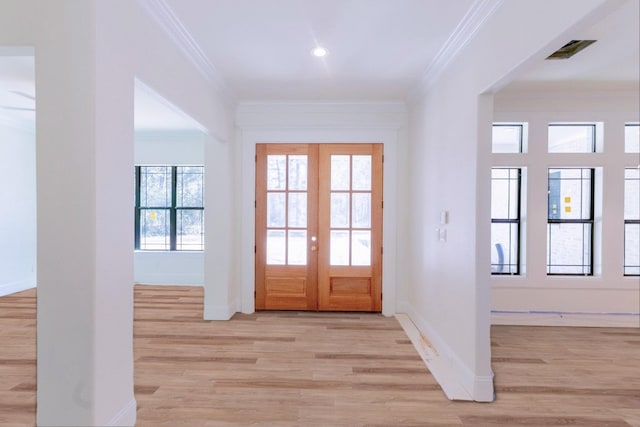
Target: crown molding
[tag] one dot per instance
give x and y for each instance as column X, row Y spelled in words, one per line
column 164, row 16
column 479, row 12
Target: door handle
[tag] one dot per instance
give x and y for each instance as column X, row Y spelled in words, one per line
column 314, row 247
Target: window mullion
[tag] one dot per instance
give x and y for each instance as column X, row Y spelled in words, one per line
column 173, row 210
column 592, row 213
column 137, row 210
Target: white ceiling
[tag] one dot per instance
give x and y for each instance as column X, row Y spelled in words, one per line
column 152, row 112
column 379, row 50
column 615, row 57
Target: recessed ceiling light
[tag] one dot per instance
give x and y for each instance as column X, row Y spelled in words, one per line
column 319, row 51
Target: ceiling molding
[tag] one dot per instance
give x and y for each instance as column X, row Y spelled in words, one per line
column 164, row 16
column 479, row 12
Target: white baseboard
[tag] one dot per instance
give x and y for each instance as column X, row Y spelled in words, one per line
column 126, row 416
column 549, row 318
column 483, row 388
column 13, row 287
column 163, row 283
column 218, row 312
column 456, row 379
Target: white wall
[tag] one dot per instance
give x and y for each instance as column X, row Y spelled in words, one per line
column 178, row 74
column 283, row 122
column 450, row 132
column 18, row 212
column 170, row 148
column 608, row 298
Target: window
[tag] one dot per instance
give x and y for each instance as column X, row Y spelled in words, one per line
column 632, row 222
column 572, row 138
column 632, row 138
column 505, row 220
column 507, row 138
column 169, row 213
column 570, row 221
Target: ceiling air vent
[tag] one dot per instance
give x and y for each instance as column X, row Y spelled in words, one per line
column 570, row 49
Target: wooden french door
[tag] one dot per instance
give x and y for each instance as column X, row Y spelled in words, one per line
column 319, row 227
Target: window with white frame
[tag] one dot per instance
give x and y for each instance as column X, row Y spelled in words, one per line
column 570, row 221
column 505, row 220
column 508, row 138
column 632, row 138
column 632, row 222
column 572, row 138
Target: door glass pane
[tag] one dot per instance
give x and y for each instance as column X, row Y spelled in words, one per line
column 275, row 209
column 340, row 169
column 339, row 210
column 298, row 173
column 298, row 210
column 154, row 230
column 339, row 247
column 361, row 173
column 361, row 247
column 275, row 247
column 276, row 172
column 297, row 247
column 361, row 210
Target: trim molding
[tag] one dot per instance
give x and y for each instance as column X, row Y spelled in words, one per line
column 19, row 286
column 164, row 16
column 218, row 312
column 556, row 318
column 479, row 12
column 456, row 379
column 126, row 416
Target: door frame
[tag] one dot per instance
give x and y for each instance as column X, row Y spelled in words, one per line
column 389, row 136
column 318, row 285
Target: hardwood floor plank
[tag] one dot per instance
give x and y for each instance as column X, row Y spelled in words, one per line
column 333, row 369
column 542, row 421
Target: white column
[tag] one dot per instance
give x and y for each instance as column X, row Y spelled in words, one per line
column 220, row 300
column 85, row 217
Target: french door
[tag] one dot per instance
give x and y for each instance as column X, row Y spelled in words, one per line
column 319, row 227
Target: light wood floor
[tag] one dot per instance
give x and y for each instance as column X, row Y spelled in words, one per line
column 343, row 369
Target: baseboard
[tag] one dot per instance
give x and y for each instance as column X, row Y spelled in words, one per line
column 551, row 318
column 483, row 388
column 218, row 312
column 13, row 287
column 456, row 379
column 166, row 283
column 126, row 416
